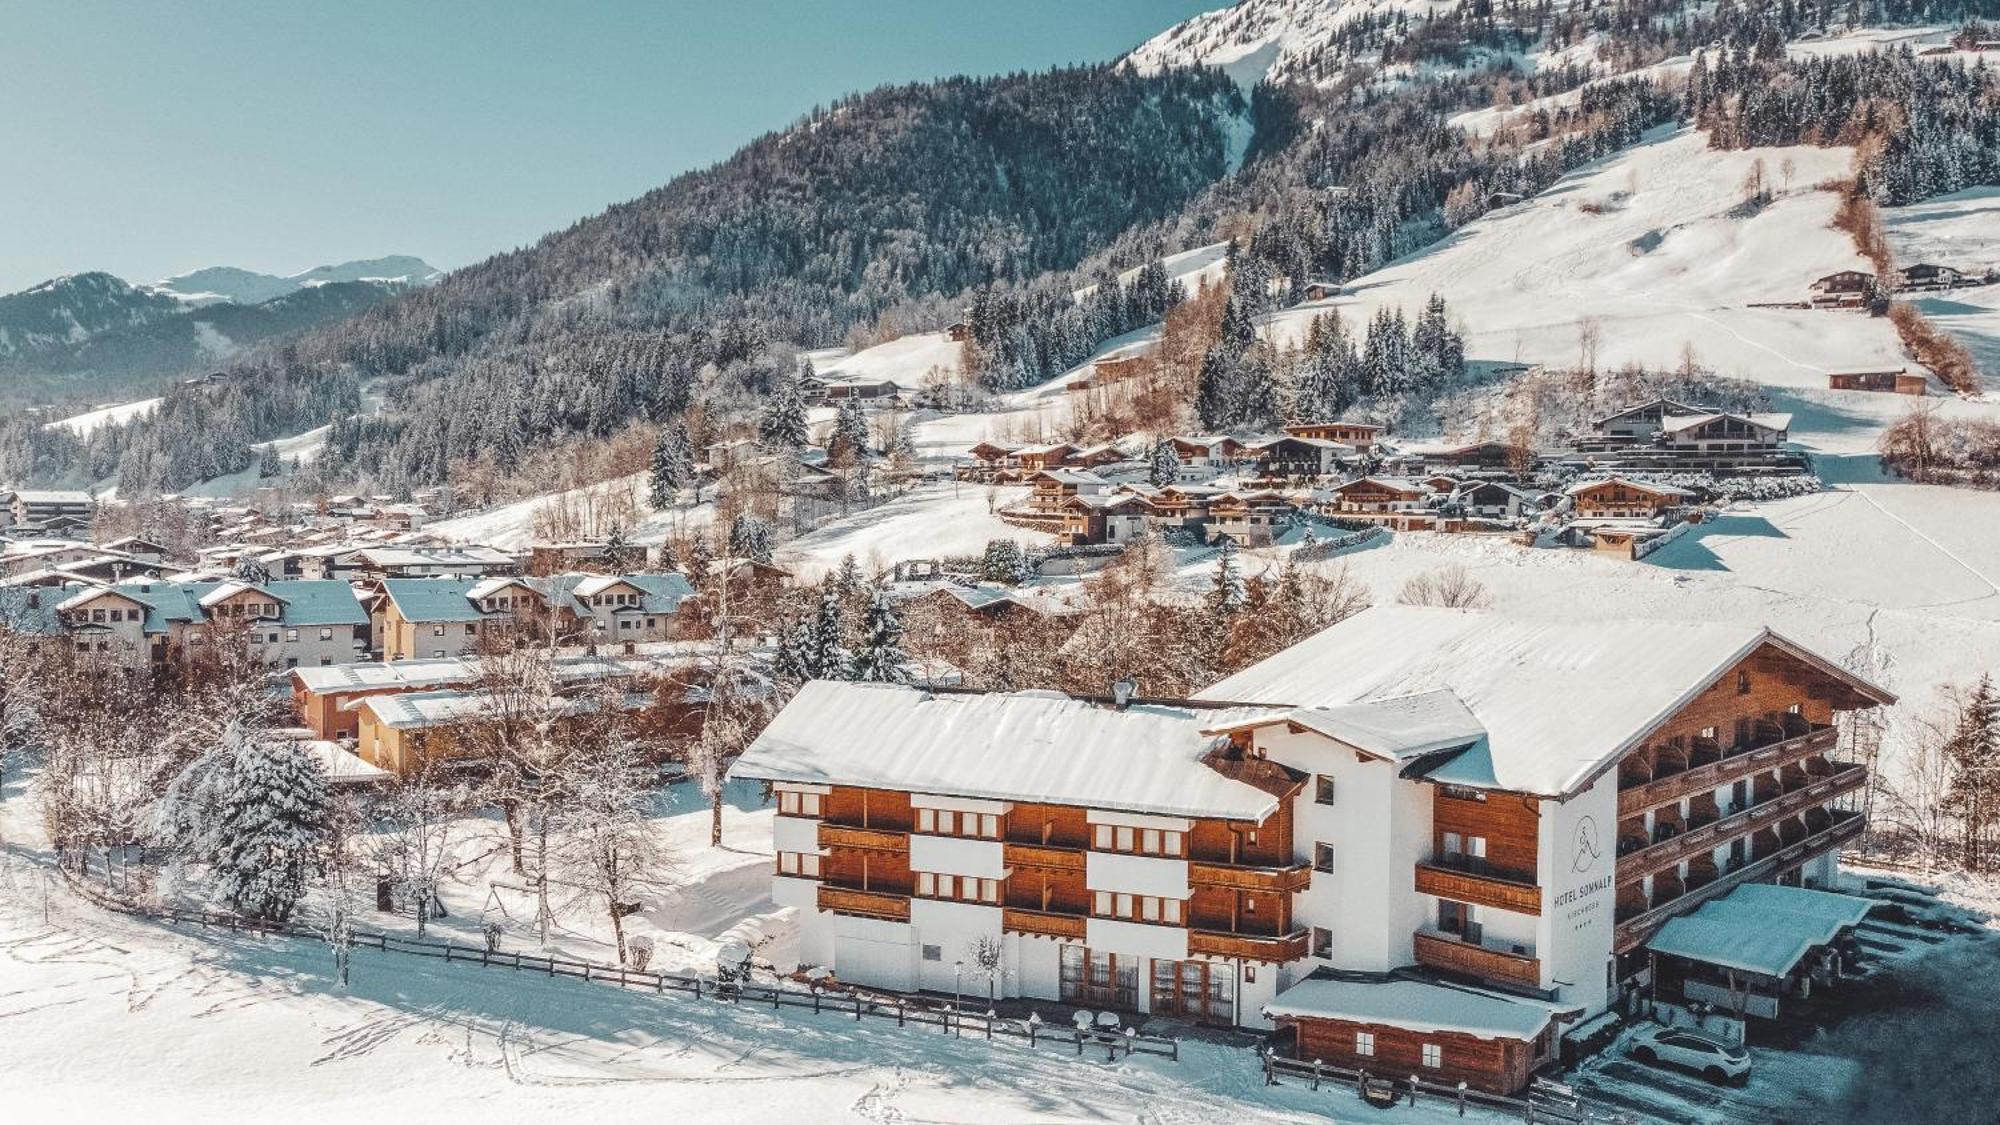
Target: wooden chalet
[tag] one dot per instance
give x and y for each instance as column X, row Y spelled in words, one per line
column 1892, row 380
column 1034, row 457
column 1298, row 458
column 1101, row 517
column 1248, row 519
column 1619, row 498
column 1845, row 289
column 1050, row 489
column 1640, row 422
column 1373, row 496
column 1360, row 435
column 1928, row 276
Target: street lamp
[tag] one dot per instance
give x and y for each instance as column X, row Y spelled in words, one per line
column 957, row 989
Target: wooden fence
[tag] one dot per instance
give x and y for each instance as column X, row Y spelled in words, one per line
column 906, row 1011
column 1385, row 1091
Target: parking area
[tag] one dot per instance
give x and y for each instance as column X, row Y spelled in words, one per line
column 1872, row 1044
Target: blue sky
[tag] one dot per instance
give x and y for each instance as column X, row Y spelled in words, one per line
column 152, row 138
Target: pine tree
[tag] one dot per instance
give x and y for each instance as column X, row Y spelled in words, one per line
column 256, row 815
column 881, row 658
column 1163, row 467
column 620, row 554
column 1225, row 593
column 750, row 537
column 847, row 579
column 1003, row 562
column 823, row 651
column 673, row 464
column 849, row 442
column 1973, row 756
column 1217, row 392
column 783, row 423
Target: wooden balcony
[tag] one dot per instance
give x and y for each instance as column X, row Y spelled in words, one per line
column 1249, row 947
column 1481, row 888
column 1448, row 954
column 1671, row 851
column 1041, row 855
column 1631, row 931
column 1042, row 923
column 852, row 836
column 1636, row 799
column 865, row 904
column 1273, row 880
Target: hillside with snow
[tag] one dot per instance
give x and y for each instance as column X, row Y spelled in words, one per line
column 1267, row 39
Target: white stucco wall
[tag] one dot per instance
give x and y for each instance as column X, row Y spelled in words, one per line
column 1379, row 827
column 1578, row 843
column 1136, row 874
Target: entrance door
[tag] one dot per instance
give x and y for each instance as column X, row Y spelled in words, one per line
column 1194, row 990
column 1102, row 980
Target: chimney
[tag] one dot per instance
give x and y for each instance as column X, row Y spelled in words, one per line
column 1122, row 691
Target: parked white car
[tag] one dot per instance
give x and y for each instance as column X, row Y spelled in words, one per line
column 1704, row 1054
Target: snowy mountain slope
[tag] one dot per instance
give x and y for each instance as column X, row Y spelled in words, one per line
column 1655, row 248
column 64, row 312
column 115, row 414
column 1260, row 39
column 1960, row 230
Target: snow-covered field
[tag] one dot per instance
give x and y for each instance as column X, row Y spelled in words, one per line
column 1654, row 247
column 115, row 414
column 1961, row 230
column 109, row 1018
column 947, row 518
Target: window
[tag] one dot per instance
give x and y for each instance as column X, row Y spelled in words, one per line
column 961, row 888
column 1323, row 790
column 1150, row 841
column 291, row 634
column 326, row 634
column 798, row 804
column 437, row 654
column 933, row 952
column 1433, row 1055
column 1364, row 1042
column 1742, row 681
column 798, row 863
column 1322, row 942
column 1137, row 908
column 948, row 822
column 437, row 630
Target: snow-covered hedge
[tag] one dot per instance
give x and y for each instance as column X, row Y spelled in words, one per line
column 1327, row 548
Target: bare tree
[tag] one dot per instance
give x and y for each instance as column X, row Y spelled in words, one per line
column 1452, row 587
column 422, row 817
column 608, row 846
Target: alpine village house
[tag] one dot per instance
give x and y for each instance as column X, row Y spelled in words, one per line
column 1422, row 841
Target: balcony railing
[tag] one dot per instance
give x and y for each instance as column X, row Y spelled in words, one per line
column 1637, row 928
column 1275, row 880
column 854, row 836
column 1041, row 855
column 1671, row 851
column 1042, row 923
column 1482, row 888
column 1249, row 947
column 1636, row 799
column 866, row 904
column 1450, row 954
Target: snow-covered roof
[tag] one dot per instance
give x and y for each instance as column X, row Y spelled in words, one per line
column 1070, row 476
column 1642, row 485
column 1021, row 746
column 1413, row 1006
column 1400, row 728
column 1663, row 405
column 1674, row 423
column 1400, row 484
column 1560, row 699
column 1767, row 932
column 228, row 590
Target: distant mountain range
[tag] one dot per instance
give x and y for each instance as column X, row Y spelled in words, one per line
column 217, row 284
column 93, row 334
